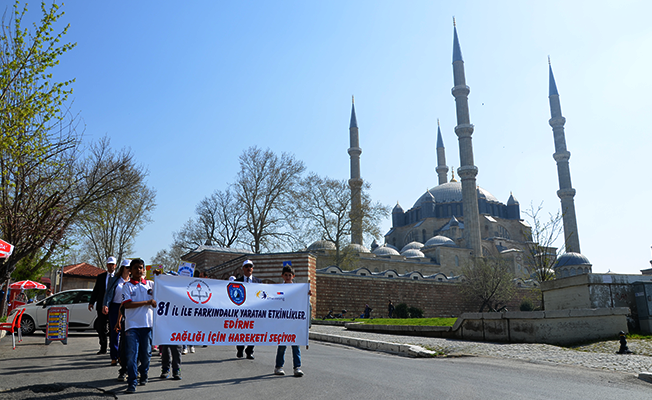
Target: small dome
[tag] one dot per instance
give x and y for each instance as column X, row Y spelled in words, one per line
column 357, row 248
column 385, row 251
column 571, row 259
column 397, row 208
column 440, row 241
column 512, row 200
column 413, row 253
column 391, row 246
column 411, row 245
column 322, row 245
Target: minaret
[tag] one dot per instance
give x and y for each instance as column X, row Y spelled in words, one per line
column 442, row 168
column 355, row 183
column 467, row 171
column 561, row 156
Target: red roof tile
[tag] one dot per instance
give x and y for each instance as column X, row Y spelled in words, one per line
column 82, row 269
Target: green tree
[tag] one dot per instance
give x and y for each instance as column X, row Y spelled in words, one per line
column 488, row 283
column 46, row 176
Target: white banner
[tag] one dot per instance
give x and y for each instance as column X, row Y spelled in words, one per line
column 199, row 311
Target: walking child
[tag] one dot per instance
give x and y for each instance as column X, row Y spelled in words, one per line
column 288, row 276
column 138, row 301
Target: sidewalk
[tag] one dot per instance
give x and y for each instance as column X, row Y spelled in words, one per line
column 600, row 356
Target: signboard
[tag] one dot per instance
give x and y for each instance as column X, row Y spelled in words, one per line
column 200, row 311
column 186, row 269
column 150, row 271
column 5, row 249
column 57, row 327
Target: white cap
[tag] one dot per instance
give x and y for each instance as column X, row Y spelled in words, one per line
column 248, row 262
column 111, row 260
column 231, row 278
column 125, row 263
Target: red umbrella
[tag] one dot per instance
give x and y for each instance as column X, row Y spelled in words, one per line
column 27, row 285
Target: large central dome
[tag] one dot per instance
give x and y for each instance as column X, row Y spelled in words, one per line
column 451, row 192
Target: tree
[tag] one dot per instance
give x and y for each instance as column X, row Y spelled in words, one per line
column 220, row 221
column 265, row 187
column 168, row 258
column 541, row 254
column 488, row 283
column 325, row 205
column 109, row 227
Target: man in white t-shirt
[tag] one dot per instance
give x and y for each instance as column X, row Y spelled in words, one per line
column 138, row 301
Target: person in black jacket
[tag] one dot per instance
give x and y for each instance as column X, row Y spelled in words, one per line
column 247, row 271
column 97, row 300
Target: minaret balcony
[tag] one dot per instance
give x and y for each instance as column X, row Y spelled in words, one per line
column 562, row 156
column 461, row 90
column 557, row 121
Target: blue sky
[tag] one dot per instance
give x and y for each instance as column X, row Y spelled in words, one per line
column 189, row 85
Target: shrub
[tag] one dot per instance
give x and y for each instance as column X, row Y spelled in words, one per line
column 401, row 311
column 415, row 312
column 526, row 305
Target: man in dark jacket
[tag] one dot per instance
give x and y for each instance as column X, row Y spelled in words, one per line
column 97, row 299
column 247, row 271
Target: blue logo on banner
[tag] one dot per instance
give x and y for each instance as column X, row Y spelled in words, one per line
column 287, row 263
column 237, row 293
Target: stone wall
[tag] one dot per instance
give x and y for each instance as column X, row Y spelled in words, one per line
column 436, row 299
column 591, row 291
column 559, row 327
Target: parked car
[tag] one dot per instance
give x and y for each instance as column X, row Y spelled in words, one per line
column 76, row 301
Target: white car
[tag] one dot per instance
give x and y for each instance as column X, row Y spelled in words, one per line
column 76, row 301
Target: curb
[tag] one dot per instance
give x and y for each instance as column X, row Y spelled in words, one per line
column 406, row 350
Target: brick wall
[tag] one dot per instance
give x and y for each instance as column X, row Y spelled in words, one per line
column 436, row 299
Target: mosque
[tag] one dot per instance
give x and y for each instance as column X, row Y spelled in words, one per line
column 457, row 220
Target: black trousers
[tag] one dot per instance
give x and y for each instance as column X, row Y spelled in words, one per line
column 102, row 327
column 249, row 350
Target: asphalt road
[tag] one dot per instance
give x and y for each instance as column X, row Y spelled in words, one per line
column 332, row 372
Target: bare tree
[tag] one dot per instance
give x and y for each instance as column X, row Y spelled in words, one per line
column 265, row 187
column 488, row 283
column 109, row 227
column 325, row 205
column 544, row 234
column 219, row 220
column 168, row 258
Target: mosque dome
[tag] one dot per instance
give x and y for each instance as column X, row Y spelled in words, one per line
column 357, row 248
column 451, row 192
column 572, row 259
column 391, row 246
column 322, row 245
column 411, row 245
column 440, row 241
column 385, row 251
column 413, row 253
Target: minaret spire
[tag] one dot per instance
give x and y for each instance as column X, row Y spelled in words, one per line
column 355, row 183
column 467, row 171
column 566, row 192
column 442, row 168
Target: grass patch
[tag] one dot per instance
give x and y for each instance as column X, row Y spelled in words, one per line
column 410, row 321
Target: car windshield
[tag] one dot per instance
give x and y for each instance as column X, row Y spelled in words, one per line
column 61, row 298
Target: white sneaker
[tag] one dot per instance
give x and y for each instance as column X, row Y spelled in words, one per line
column 192, row 349
column 184, row 351
column 298, row 372
column 279, row 371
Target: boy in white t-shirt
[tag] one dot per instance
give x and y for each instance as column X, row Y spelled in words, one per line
column 138, row 301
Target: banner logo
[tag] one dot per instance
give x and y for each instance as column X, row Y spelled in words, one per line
column 199, row 292
column 237, row 293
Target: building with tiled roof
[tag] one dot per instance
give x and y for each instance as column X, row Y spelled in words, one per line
column 80, row 276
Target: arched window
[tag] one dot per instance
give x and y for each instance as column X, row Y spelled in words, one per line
column 457, row 261
column 573, row 272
